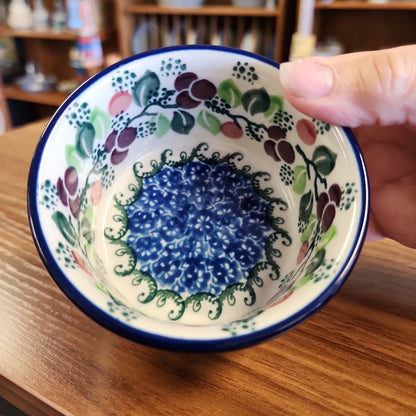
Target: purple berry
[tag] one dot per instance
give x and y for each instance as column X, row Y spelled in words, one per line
column 117, row 156
column 110, row 141
column 270, row 149
column 335, row 194
column 184, row 80
column 71, row 180
column 276, row 132
column 185, row 101
column 203, row 89
column 63, row 196
column 323, row 200
column 126, row 137
column 328, row 216
column 285, row 151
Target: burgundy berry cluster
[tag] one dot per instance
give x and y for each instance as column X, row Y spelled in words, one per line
column 277, row 147
column 117, row 144
column 192, row 91
column 326, row 206
column 67, row 190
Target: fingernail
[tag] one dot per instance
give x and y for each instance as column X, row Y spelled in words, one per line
column 307, row 78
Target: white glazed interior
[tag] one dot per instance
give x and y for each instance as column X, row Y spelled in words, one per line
column 276, row 301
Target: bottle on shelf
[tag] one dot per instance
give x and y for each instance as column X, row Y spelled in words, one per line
column 40, row 16
column 74, row 18
column 58, row 16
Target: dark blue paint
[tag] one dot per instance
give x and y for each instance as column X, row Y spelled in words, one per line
column 190, row 228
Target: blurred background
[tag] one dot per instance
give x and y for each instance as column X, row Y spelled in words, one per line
column 49, row 47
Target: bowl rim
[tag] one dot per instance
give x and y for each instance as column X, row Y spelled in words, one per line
column 144, row 337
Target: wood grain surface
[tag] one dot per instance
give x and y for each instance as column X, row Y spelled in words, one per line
column 356, row 356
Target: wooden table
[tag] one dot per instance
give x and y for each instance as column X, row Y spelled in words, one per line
column 357, row 356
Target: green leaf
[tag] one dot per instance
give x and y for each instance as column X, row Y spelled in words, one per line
column 324, row 159
column 87, row 230
column 303, row 281
column 72, row 158
column 276, row 106
column 65, row 227
column 309, row 229
column 209, row 122
column 305, row 206
column 230, row 93
column 162, row 125
column 256, row 101
column 101, row 122
column 300, row 177
column 330, row 233
column 145, row 87
column 84, row 140
column 317, row 260
column 182, row 122
column 89, row 214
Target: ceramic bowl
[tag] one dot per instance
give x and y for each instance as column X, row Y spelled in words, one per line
column 180, row 201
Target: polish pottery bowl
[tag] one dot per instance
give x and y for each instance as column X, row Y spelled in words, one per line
column 180, row 201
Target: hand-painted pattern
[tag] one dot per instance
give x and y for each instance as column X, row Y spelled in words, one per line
column 198, row 231
column 175, row 100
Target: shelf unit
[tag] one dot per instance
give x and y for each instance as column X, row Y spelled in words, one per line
column 364, row 5
column 258, row 29
column 362, row 25
column 49, row 98
column 51, row 50
column 38, row 34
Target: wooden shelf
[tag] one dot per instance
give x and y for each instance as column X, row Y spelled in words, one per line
column 362, row 25
column 364, row 5
column 258, row 29
column 53, row 98
column 210, row 10
column 41, row 34
column 49, row 34
column 52, row 50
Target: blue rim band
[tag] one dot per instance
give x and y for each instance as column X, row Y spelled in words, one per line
column 169, row 343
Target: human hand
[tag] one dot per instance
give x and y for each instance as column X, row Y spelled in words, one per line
column 375, row 93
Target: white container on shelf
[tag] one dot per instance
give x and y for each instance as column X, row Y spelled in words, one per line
column 20, row 15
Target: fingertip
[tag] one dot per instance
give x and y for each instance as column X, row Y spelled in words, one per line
column 308, row 78
column 286, row 78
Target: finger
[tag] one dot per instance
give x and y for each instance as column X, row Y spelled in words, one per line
column 357, row 89
column 373, row 230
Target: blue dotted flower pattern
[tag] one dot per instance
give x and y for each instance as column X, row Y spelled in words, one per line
column 190, row 228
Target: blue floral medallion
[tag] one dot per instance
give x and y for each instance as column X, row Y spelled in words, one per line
column 203, row 229
column 197, row 228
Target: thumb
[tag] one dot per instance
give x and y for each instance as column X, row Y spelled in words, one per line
column 356, row 89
